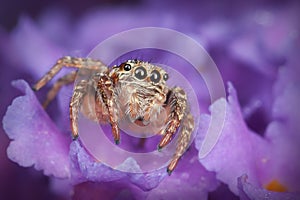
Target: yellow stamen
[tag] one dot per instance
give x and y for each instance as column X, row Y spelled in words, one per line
column 276, row 186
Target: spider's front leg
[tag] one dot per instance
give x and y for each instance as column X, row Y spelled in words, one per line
column 176, row 104
column 183, row 141
column 105, row 95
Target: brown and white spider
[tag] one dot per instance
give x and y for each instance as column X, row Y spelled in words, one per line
column 135, row 89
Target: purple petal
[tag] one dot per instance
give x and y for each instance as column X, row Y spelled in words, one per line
column 85, row 168
column 35, row 139
column 234, row 154
column 248, row 192
column 283, row 132
column 149, row 180
column 190, row 180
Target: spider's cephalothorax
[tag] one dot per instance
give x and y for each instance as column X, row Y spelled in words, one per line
column 140, row 90
column 135, row 91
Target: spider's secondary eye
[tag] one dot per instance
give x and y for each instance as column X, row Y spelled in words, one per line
column 155, row 76
column 166, row 77
column 140, row 73
column 127, row 67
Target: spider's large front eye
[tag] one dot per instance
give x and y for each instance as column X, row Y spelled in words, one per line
column 140, row 73
column 155, row 76
column 127, row 67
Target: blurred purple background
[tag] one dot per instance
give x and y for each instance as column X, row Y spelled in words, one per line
column 203, row 19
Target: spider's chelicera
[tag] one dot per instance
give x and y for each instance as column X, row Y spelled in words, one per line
column 135, row 90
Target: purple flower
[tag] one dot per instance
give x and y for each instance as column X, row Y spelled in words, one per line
column 252, row 162
column 248, row 191
column 38, row 143
column 45, row 147
column 256, row 53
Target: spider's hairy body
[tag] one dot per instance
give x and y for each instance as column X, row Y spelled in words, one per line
column 140, row 100
column 135, row 91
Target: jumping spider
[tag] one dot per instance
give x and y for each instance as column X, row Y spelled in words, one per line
column 134, row 89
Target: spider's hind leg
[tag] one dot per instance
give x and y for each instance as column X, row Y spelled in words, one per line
column 67, row 61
